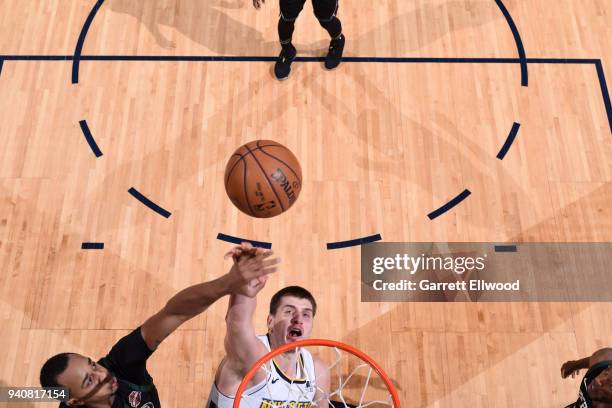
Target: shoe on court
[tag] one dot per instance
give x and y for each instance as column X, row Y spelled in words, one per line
column 334, row 55
column 282, row 68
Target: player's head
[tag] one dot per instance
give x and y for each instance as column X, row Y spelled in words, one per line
column 291, row 317
column 600, row 389
column 87, row 381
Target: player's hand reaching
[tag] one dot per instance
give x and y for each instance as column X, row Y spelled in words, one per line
column 252, row 288
column 251, row 268
column 569, row 369
column 257, row 3
column 245, row 248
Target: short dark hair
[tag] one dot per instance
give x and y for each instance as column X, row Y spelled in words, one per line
column 295, row 291
column 52, row 369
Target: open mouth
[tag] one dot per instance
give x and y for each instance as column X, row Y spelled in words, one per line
column 294, row 333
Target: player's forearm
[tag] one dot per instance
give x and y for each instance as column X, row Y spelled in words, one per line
column 195, row 299
column 582, row 363
column 240, row 339
column 240, row 312
column 239, row 322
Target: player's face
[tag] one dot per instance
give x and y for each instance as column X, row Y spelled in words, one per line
column 87, row 381
column 600, row 388
column 292, row 321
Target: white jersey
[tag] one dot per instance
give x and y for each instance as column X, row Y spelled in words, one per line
column 277, row 389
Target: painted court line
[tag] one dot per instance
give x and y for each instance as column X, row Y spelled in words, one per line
column 509, row 140
column 354, row 242
column 448, row 206
column 140, row 197
column 238, row 241
column 519, row 42
column 89, row 138
column 92, row 245
column 81, row 41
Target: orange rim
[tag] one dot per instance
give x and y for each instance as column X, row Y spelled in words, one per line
column 315, row 342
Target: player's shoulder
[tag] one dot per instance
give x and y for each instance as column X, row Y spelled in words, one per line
column 604, row 354
column 239, row 361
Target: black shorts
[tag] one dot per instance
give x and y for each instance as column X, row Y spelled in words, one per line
column 324, row 10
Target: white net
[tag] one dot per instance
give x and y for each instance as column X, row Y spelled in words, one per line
column 354, row 383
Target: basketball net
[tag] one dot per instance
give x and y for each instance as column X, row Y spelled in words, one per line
column 356, row 381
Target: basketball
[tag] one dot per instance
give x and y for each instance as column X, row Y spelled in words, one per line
column 263, row 178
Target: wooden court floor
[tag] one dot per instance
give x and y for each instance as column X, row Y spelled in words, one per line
column 381, row 144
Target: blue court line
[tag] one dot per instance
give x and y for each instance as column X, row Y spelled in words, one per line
column 81, row 41
column 505, row 248
column 452, row 203
column 92, row 245
column 354, row 242
column 222, row 58
column 519, row 43
column 90, row 140
column 509, row 141
column 149, row 203
column 604, row 91
column 238, row 241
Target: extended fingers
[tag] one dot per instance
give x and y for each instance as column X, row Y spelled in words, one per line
column 268, row 271
column 255, row 255
column 259, row 263
column 255, row 267
column 246, row 245
column 270, row 262
column 245, row 248
column 264, row 253
column 234, row 252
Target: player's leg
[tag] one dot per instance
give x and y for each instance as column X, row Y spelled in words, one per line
column 326, row 12
column 289, row 11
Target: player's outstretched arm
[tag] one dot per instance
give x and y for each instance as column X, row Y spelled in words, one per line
column 241, row 344
column 242, row 347
column 194, row 300
column 573, row 367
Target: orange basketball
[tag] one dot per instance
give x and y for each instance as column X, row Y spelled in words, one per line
column 263, row 178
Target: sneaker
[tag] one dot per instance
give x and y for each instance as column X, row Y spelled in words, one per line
column 334, row 55
column 282, row 68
